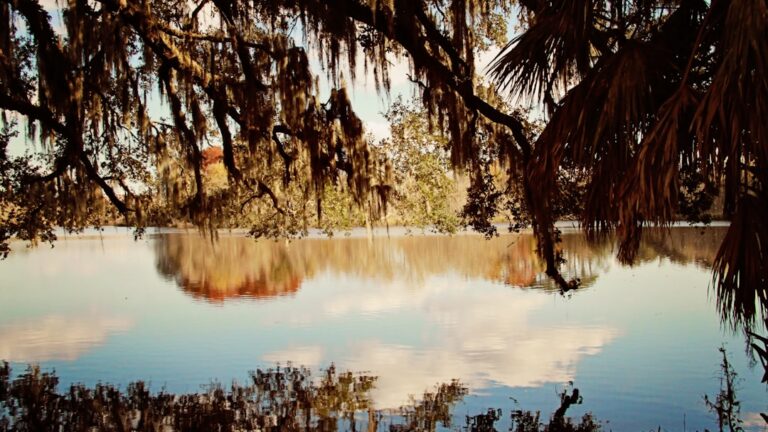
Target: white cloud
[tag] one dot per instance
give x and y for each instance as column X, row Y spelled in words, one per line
column 753, row 421
column 524, row 359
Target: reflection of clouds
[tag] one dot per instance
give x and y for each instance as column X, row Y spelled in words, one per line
column 300, row 356
column 547, row 356
column 56, row 337
column 754, row 422
column 368, row 297
column 479, row 332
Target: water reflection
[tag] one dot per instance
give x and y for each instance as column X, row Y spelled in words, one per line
column 282, row 399
column 232, row 267
column 238, row 267
column 456, row 287
column 56, row 337
column 682, row 245
column 414, row 311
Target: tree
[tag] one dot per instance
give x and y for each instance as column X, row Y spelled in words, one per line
column 658, row 103
column 424, row 190
column 641, row 97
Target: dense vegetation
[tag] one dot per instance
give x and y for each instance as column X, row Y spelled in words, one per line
column 423, row 191
column 651, row 105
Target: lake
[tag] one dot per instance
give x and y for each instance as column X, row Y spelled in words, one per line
column 177, row 310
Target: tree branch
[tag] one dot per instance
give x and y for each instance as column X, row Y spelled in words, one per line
column 32, row 111
column 459, row 65
column 287, row 159
column 261, row 190
column 184, row 34
column 220, row 110
column 90, row 170
column 186, row 135
column 401, row 32
column 197, row 10
column 153, row 36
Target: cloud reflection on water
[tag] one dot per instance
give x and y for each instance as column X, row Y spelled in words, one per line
column 479, row 331
column 464, row 291
column 57, row 337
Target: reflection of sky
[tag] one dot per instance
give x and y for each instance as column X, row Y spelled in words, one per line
column 54, row 337
column 641, row 343
column 471, row 329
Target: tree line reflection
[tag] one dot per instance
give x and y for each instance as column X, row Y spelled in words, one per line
column 281, row 399
column 236, row 267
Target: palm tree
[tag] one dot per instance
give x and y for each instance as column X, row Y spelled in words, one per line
column 655, row 101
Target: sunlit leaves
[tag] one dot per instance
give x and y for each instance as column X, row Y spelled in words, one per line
column 424, row 191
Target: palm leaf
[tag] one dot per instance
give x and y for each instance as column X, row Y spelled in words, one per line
column 557, row 47
column 741, row 266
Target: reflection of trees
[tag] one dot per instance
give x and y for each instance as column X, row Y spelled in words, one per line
column 681, row 245
column 282, row 399
column 238, row 266
column 434, row 407
column 231, row 267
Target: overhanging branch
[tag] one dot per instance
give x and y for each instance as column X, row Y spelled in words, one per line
column 402, row 33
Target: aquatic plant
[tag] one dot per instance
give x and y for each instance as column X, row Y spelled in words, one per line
column 726, row 404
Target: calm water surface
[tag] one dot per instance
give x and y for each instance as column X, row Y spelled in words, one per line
column 641, row 343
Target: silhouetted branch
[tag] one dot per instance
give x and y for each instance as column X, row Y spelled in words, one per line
column 220, row 111
column 261, row 190
column 90, row 170
column 34, row 112
column 287, row 159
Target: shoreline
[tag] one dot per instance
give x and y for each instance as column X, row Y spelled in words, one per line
column 314, row 233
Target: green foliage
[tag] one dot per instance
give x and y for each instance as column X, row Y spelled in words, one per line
column 424, row 190
column 338, row 211
column 31, row 209
column 697, row 195
column 482, row 204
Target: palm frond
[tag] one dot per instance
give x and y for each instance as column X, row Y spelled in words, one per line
column 741, row 266
column 730, row 120
column 556, row 48
column 599, row 124
column 649, row 191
